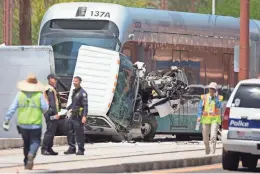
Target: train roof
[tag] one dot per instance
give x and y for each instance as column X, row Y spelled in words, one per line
column 168, row 21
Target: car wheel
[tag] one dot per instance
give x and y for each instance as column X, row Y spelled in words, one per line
column 149, row 127
column 230, row 160
column 249, row 161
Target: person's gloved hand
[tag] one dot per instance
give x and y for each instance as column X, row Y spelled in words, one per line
column 6, row 125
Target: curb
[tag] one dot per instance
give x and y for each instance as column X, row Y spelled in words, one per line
column 6, row 143
column 147, row 166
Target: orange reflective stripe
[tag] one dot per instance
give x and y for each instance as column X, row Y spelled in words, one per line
column 206, row 114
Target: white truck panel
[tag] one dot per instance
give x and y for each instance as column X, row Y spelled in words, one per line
column 98, row 69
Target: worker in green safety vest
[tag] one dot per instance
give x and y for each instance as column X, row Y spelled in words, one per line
column 30, row 104
column 209, row 116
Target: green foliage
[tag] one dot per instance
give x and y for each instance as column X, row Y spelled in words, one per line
column 229, row 8
column 16, row 39
column 177, row 5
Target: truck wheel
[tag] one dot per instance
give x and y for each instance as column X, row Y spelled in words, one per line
column 149, row 127
column 230, row 160
column 249, row 161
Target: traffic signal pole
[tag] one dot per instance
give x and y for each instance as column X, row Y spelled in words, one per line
column 244, row 40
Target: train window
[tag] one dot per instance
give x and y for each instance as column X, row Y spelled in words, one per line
column 214, row 69
column 163, row 55
column 176, row 57
column 80, row 24
column 127, row 52
column 163, row 58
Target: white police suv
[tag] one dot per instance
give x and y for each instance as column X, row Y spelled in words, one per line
column 241, row 126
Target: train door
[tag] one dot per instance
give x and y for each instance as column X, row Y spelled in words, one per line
column 179, row 119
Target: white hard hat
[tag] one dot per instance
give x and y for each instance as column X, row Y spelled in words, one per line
column 213, row 85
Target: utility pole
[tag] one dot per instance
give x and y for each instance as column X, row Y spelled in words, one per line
column 213, row 6
column 244, row 40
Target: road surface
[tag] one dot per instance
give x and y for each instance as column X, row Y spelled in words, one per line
column 113, row 157
column 215, row 168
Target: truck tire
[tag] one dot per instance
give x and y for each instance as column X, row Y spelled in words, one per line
column 230, row 160
column 149, row 127
column 249, row 161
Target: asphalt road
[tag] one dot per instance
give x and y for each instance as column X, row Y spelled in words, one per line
column 215, row 168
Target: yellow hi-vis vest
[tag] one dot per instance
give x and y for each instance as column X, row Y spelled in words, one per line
column 49, row 87
column 211, row 114
column 29, row 109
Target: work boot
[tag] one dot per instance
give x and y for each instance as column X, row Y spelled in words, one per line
column 29, row 164
column 70, row 151
column 80, row 153
column 45, row 152
column 52, row 152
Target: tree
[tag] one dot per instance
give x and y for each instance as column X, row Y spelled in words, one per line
column 16, row 39
column 1, row 21
column 25, row 22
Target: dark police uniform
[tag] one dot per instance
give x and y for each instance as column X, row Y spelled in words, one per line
column 79, row 107
column 52, row 125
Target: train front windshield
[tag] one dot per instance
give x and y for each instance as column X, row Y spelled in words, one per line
column 66, row 42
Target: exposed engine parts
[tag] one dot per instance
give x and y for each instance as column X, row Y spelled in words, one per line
column 160, row 91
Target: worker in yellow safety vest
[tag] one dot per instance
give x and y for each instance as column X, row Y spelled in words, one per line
column 209, row 116
column 31, row 105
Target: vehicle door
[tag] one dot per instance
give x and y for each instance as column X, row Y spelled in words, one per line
column 244, row 120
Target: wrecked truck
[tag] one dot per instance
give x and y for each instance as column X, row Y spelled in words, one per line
column 123, row 98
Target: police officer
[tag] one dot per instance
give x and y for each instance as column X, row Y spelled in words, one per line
column 52, row 117
column 79, row 110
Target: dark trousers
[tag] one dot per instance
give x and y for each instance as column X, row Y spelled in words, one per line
column 76, row 129
column 31, row 141
column 51, row 129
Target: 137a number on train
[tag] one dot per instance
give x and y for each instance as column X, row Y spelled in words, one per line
column 100, row 14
